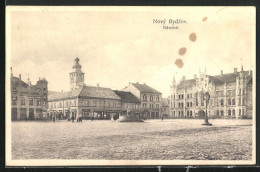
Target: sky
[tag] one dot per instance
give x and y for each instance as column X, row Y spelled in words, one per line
column 118, row 45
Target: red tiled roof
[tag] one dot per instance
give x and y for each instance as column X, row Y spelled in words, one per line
column 127, row 97
column 145, row 88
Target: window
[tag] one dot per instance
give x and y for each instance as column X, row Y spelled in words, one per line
column 222, row 102
column 233, row 102
column 229, row 112
column 233, row 112
column 217, row 112
column 229, row 102
column 14, row 100
column 44, row 102
column 157, row 106
column 95, row 103
column 31, row 101
column 202, row 103
column 188, row 96
column 144, row 97
column 144, row 105
column 239, row 101
column 151, row 98
column 190, row 113
column 22, row 101
column 190, row 104
column 187, row 104
column 100, row 104
column 222, row 113
column 82, row 102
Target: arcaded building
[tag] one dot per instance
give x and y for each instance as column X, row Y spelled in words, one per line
column 230, row 95
column 29, row 102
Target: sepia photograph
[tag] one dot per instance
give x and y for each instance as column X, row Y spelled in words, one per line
column 130, row 85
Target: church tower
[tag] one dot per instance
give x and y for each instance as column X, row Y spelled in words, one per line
column 76, row 76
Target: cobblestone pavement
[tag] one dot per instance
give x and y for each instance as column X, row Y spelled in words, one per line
column 180, row 139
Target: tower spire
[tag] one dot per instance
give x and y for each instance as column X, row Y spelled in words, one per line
column 241, row 63
column 11, row 71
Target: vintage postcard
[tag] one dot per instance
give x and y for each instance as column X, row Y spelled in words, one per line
column 97, row 86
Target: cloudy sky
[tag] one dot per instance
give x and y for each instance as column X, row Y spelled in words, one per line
column 117, row 45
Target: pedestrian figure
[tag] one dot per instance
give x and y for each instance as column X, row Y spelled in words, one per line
column 92, row 118
column 72, row 118
column 162, row 117
column 53, row 119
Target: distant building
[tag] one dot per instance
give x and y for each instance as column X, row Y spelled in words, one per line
column 230, row 95
column 150, row 99
column 165, row 107
column 83, row 101
column 131, row 105
column 29, row 102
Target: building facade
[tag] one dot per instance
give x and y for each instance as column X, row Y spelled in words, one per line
column 230, row 95
column 151, row 99
column 29, row 102
column 83, row 101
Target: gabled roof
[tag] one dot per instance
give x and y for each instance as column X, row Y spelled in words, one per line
column 229, row 77
column 127, row 97
column 145, row 88
column 84, row 91
column 15, row 82
column 98, row 92
column 186, row 83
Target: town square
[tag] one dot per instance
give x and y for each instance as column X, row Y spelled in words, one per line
column 105, row 94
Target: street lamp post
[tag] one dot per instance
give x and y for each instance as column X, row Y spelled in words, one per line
column 206, row 97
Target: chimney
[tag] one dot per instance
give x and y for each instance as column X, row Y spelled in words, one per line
column 221, row 72
column 235, row 70
column 20, row 77
column 97, row 84
column 195, row 76
column 183, row 77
